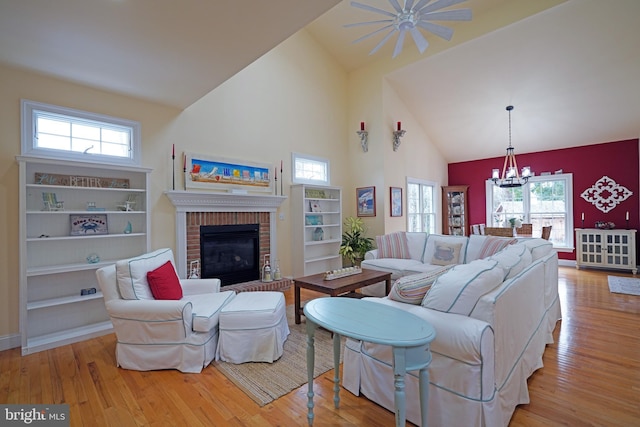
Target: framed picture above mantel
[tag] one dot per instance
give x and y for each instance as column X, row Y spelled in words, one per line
column 212, row 172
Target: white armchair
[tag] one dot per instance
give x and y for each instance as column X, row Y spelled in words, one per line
column 161, row 334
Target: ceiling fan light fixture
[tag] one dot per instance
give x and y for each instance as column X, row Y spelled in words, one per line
column 409, row 18
column 406, row 21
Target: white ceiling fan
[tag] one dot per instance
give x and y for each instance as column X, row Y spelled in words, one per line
column 411, row 18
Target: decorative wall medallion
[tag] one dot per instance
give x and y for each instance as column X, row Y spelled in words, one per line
column 606, row 194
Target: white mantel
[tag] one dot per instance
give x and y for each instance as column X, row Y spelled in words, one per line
column 192, row 201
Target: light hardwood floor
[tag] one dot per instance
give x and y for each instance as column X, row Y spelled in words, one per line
column 591, row 376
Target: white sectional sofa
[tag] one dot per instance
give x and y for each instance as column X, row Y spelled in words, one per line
column 494, row 311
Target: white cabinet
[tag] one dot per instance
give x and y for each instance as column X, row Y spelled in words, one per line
column 74, row 219
column 317, row 229
column 615, row 249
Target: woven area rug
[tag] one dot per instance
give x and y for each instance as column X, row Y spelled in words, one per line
column 265, row 382
column 624, row 285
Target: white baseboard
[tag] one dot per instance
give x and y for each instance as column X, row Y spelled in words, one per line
column 10, row 341
column 567, row 263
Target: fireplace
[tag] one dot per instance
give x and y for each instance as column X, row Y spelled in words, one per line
column 194, row 209
column 230, row 253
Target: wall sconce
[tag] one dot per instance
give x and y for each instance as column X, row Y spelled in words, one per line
column 364, row 135
column 397, row 134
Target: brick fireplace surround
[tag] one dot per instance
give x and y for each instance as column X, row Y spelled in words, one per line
column 194, row 209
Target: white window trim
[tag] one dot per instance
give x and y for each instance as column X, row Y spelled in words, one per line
column 294, row 180
column 28, row 148
column 437, row 203
column 568, row 178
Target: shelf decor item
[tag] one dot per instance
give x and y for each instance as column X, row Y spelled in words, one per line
column 80, row 181
column 129, row 204
column 93, row 258
column 315, row 193
column 313, row 220
column 318, row 234
column 88, row 225
column 396, row 201
column 366, row 199
column 51, row 202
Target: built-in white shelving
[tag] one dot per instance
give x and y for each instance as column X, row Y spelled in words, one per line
column 317, row 229
column 55, row 264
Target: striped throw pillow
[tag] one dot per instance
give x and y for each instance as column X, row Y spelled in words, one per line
column 411, row 289
column 393, row 245
column 493, row 244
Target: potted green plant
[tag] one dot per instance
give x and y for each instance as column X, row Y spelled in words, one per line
column 354, row 242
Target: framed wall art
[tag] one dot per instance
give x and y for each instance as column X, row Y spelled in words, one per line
column 89, row 225
column 395, row 199
column 366, row 200
column 209, row 172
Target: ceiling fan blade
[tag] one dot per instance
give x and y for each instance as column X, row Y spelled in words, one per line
column 383, row 41
column 419, row 40
column 399, row 43
column 372, row 9
column 408, row 4
column 440, row 4
column 359, row 24
column 396, row 5
column 372, row 33
column 439, row 30
column 420, row 4
column 448, row 15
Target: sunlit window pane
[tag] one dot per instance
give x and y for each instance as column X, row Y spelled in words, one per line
column 543, row 201
column 64, row 133
column 310, row 170
column 420, row 207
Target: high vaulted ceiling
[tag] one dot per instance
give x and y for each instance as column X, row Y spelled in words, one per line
column 570, row 68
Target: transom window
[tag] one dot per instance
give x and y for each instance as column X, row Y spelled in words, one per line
column 310, row 170
column 52, row 131
column 545, row 200
column 421, row 211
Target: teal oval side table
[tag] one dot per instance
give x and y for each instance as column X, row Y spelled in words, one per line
column 407, row 334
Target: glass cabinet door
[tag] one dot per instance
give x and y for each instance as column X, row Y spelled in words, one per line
column 455, row 210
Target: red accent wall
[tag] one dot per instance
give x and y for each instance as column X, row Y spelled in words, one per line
column 618, row 160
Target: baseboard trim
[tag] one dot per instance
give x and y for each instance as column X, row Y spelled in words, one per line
column 8, row 342
column 567, row 262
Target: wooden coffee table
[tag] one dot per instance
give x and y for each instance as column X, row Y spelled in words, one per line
column 339, row 286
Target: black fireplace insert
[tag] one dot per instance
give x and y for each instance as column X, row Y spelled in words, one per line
column 230, row 253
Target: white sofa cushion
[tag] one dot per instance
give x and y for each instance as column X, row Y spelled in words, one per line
column 393, row 245
column 391, row 265
column 412, row 288
column 415, row 243
column 513, row 259
column 430, row 246
column 538, row 247
column 132, row 273
column 459, row 289
column 207, row 307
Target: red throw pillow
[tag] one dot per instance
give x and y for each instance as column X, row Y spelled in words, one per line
column 164, row 282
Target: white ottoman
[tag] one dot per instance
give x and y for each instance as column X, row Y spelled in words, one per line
column 253, row 328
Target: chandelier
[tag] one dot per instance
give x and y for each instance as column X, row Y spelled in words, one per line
column 510, row 177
